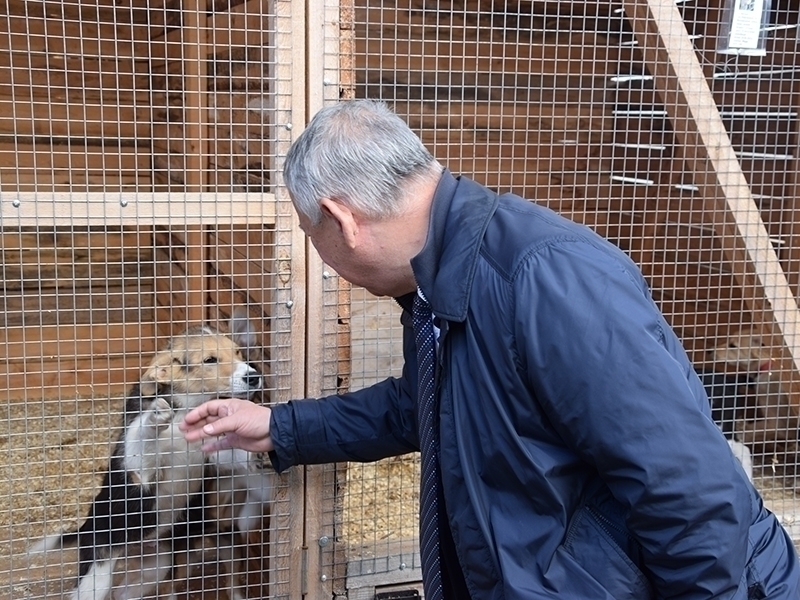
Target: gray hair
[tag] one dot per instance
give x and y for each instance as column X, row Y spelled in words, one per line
column 360, row 153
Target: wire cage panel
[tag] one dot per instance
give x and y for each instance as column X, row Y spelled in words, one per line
column 140, row 152
column 627, row 118
column 140, row 194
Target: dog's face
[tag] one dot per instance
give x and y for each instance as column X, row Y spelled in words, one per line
column 201, row 363
column 742, row 353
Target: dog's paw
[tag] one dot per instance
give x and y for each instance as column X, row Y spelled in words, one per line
column 260, row 461
column 160, row 414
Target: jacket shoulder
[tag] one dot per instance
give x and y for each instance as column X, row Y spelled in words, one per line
column 520, row 228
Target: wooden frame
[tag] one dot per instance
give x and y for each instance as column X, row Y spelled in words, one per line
column 324, row 323
column 707, row 150
column 194, row 214
column 30, row 209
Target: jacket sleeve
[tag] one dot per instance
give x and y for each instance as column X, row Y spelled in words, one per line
column 366, row 425
column 619, row 390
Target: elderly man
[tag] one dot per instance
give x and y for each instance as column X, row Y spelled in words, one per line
column 567, row 445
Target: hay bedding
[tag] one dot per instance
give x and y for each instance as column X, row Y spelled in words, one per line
column 52, row 459
column 783, row 501
column 381, row 501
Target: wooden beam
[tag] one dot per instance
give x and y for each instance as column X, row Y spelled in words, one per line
column 195, row 84
column 322, row 341
column 195, row 81
column 706, row 149
column 66, row 209
column 791, row 205
column 289, row 574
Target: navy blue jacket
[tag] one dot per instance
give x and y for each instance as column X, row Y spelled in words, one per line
column 578, row 456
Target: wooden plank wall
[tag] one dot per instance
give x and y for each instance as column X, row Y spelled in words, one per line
column 74, row 117
column 552, row 101
column 74, row 106
column 76, row 313
column 234, row 45
column 108, row 96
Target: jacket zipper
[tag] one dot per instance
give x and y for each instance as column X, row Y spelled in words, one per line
column 605, row 524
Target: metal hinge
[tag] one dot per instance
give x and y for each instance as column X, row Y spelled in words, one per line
column 409, row 594
column 304, row 570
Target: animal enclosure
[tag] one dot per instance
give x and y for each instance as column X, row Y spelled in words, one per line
column 141, row 193
column 139, row 170
column 630, row 118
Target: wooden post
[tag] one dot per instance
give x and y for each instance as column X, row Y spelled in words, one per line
column 324, row 341
column 707, row 151
column 195, row 78
column 289, row 576
column 792, row 199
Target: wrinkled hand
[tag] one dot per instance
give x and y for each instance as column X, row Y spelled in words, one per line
column 240, row 423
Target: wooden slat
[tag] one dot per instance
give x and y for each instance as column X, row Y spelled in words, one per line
column 246, row 25
column 84, row 240
column 791, row 207
column 248, row 244
column 20, row 70
column 62, row 275
column 71, row 306
column 691, row 281
column 78, row 342
column 67, row 378
column 169, row 209
column 80, row 35
column 195, row 102
column 706, row 148
column 28, row 181
column 97, row 159
column 51, row 119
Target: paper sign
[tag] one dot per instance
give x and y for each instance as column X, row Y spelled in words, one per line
column 746, row 24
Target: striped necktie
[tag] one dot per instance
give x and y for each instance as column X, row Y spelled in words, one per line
column 428, row 445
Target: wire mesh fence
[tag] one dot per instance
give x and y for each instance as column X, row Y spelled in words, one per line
column 140, row 155
column 140, row 147
column 671, row 128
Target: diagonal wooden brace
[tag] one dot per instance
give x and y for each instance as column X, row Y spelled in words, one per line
column 704, row 145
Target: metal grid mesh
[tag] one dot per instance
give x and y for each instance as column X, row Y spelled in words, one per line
column 684, row 156
column 140, row 147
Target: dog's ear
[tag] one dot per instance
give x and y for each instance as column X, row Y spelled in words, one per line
column 243, row 330
column 156, row 374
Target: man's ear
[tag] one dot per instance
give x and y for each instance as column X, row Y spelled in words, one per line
column 344, row 217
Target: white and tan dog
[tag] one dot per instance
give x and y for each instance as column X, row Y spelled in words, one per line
column 154, row 474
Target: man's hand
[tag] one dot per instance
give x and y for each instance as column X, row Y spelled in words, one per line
column 233, row 422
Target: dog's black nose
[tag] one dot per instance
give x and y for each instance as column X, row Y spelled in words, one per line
column 254, row 381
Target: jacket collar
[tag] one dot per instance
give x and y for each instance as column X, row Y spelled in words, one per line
column 445, row 266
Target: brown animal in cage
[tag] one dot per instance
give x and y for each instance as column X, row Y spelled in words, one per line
column 766, row 421
column 155, row 477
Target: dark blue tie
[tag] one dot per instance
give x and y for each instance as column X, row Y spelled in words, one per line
column 428, row 445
